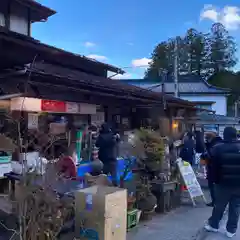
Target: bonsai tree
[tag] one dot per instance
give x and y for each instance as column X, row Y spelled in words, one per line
column 153, row 147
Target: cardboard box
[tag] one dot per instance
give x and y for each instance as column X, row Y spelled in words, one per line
column 101, row 213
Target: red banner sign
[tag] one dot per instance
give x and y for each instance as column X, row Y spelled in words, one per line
column 53, row 106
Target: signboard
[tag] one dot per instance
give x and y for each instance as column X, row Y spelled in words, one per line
column 190, row 180
column 85, row 108
column 57, row 128
column 53, row 106
column 32, row 121
column 72, row 107
column 44, row 105
column 98, row 118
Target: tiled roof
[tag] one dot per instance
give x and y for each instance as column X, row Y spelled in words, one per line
column 206, row 117
column 106, row 84
column 26, row 49
column 195, row 87
column 186, row 84
column 170, row 78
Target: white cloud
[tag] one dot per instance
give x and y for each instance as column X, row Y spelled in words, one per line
column 142, row 62
column 89, row 44
column 124, row 76
column 97, row 57
column 209, row 12
column 229, row 16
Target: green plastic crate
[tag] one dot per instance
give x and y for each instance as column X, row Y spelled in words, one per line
column 5, row 159
column 132, row 218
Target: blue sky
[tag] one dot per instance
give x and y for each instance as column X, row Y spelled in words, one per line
column 124, row 32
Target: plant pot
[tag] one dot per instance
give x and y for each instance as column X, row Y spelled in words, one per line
column 147, row 215
column 159, row 186
column 147, row 204
column 131, row 202
column 164, row 193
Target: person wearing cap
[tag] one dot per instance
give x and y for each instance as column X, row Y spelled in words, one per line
column 225, row 159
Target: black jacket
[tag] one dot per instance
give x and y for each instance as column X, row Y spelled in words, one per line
column 207, row 155
column 226, row 163
column 187, row 151
column 106, row 143
column 200, row 146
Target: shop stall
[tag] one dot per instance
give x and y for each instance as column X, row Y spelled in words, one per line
column 66, row 120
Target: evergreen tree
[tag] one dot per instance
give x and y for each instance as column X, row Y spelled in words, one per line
column 222, row 49
column 198, row 53
column 161, row 60
column 196, row 50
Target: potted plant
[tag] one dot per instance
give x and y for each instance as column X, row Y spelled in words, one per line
column 153, row 149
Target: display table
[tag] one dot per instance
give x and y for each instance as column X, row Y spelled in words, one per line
column 82, row 169
column 62, row 187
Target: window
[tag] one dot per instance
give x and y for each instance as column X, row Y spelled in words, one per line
column 19, row 19
column 211, row 127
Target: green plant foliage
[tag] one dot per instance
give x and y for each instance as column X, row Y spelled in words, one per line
column 153, row 146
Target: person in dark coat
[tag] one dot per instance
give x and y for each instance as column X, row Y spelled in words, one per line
column 200, row 146
column 107, row 144
column 211, row 140
column 226, row 176
column 187, row 151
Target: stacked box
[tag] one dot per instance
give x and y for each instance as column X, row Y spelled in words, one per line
column 101, row 213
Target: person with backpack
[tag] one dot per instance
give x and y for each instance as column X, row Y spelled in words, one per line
column 225, row 158
column 212, row 139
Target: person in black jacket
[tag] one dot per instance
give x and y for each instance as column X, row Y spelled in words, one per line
column 211, row 140
column 107, row 144
column 226, row 176
column 187, row 152
column 200, row 146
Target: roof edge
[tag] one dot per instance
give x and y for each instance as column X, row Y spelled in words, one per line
column 48, row 12
column 40, row 46
column 226, row 90
column 151, row 81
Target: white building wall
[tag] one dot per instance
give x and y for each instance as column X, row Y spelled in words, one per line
column 220, row 105
column 19, row 19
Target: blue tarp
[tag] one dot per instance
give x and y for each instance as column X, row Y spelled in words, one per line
column 121, row 164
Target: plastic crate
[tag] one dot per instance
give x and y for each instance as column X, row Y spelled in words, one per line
column 6, row 159
column 132, row 218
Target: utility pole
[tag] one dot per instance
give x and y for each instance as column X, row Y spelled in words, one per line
column 176, row 69
column 162, row 73
column 236, row 108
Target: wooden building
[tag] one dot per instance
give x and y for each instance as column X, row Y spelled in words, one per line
column 37, row 71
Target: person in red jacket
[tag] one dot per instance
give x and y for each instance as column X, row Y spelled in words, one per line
column 67, row 167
